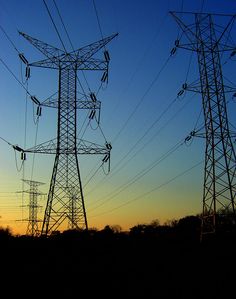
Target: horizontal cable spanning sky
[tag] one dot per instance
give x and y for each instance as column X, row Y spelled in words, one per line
column 156, row 173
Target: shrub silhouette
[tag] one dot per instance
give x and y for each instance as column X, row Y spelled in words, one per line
column 5, row 233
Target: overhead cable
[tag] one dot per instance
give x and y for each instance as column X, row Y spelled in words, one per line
column 11, row 42
column 141, row 100
column 142, row 173
column 150, row 191
column 55, row 27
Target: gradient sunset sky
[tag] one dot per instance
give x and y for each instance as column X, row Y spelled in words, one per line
column 154, row 173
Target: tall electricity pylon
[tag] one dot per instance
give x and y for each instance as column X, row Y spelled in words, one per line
column 33, row 227
column 209, row 40
column 65, row 198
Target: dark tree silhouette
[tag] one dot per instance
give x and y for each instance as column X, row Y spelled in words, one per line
column 5, row 233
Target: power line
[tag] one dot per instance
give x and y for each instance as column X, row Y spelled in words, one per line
column 11, row 42
column 7, row 143
column 147, row 131
column 99, row 24
column 154, row 123
column 63, row 25
column 189, row 64
column 141, row 100
column 150, row 191
column 144, row 145
column 19, row 168
column 91, row 171
column 55, row 27
column 149, row 140
column 142, row 173
column 26, row 110
column 156, row 120
column 25, row 88
column 67, row 34
column 93, row 175
column 10, row 71
column 16, row 148
column 35, row 142
column 159, row 28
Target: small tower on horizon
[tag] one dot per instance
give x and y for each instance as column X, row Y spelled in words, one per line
column 33, row 228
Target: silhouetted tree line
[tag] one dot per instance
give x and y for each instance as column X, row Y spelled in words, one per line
column 186, row 229
column 150, row 260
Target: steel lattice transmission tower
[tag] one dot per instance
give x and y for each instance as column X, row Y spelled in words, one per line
column 65, row 198
column 33, row 227
column 209, row 40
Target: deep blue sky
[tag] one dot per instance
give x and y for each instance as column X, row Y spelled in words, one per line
column 147, row 34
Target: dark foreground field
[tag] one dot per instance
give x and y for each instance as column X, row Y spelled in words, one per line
column 118, row 265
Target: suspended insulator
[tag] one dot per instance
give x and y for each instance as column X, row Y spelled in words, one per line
column 104, row 76
column 39, row 111
column 17, row 148
column 233, row 53
column 172, row 52
column 177, row 42
column 106, row 158
column 185, row 86
column 180, row 92
column 108, row 146
column 234, row 95
column 188, row 138
column 27, row 72
column 93, row 97
column 106, row 55
column 22, row 57
column 192, row 133
column 35, row 100
column 23, row 156
column 92, row 114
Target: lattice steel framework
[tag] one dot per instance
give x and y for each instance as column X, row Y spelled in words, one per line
column 65, row 199
column 33, row 227
column 209, row 40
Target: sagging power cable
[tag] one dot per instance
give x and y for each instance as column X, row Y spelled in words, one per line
column 150, row 191
column 141, row 100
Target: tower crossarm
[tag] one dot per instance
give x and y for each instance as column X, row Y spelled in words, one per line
column 86, row 65
column 49, row 51
column 57, row 58
column 195, row 86
column 194, row 42
column 80, row 104
column 93, row 65
column 202, row 134
column 83, row 147
column 86, row 52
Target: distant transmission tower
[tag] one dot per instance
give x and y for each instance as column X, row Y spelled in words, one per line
column 65, row 198
column 33, row 227
column 209, row 40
